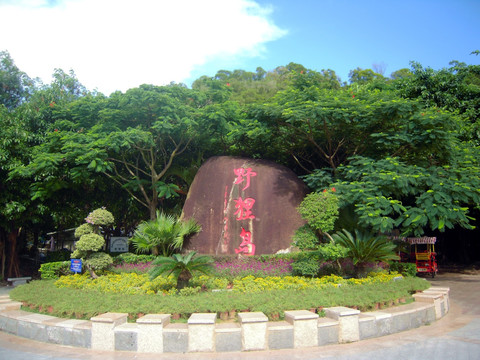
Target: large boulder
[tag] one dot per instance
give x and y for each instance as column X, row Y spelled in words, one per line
column 244, row 206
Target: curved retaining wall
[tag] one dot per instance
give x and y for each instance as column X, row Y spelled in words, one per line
column 154, row 333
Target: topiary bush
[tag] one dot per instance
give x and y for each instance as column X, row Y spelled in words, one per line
column 90, row 242
column 98, row 261
column 83, row 229
column 100, row 217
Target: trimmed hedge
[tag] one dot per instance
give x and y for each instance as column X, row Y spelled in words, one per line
column 53, row 270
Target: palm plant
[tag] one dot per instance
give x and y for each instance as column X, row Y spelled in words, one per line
column 163, row 235
column 365, row 248
column 181, row 267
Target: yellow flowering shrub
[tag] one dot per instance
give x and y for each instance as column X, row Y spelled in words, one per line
column 132, row 283
column 125, row 283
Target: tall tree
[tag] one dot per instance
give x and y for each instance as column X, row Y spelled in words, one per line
column 15, row 85
column 322, row 128
column 135, row 139
column 456, row 88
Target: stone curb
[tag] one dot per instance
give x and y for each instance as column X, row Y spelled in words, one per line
column 154, row 333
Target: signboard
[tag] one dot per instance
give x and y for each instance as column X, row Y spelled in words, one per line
column 119, row 244
column 76, row 265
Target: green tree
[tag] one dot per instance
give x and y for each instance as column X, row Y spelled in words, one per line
column 363, row 76
column 134, row 141
column 15, row 85
column 388, row 194
column 316, row 128
column 183, row 267
column 456, row 88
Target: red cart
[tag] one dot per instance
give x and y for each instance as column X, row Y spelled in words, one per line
column 425, row 255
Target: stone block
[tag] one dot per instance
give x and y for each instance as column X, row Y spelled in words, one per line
column 327, row 331
column 280, row 335
column 54, row 332
column 347, row 318
column 305, row 327
column 31, row 326
column 254, row 330
column 10, row 320
column 28, row 329
column 401, row 321
column 10, row 305
column 81, row 335
column 228, row 337
column 3, row 322
column 126, row 337
column 430, row 315
column 367, row 326
column 201, row 331
column 175, row 338
column 103, row 330
column 11, row 326
column 436, row 299
column 150, row 332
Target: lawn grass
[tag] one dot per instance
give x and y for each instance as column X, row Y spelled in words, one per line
column 44, row 297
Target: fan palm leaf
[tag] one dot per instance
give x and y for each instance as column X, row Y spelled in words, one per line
column 163, row 235
column 182, row 267
column 365, row 248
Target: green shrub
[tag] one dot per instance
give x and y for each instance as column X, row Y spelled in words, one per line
column 320, row 210
column 308, row 264
column 305, row 238
column 406, row 269
column 53, row 270
column 129, row 258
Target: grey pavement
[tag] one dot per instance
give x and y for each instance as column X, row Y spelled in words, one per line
column 456, row 336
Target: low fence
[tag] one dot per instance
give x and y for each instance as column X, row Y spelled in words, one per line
column 153, row 333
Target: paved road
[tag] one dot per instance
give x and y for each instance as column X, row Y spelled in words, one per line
column 456, row 336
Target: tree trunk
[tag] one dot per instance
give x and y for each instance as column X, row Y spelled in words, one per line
column 3, row 241
column 13, row 266
column 183, row 279
column 152, row 208
column 92, row 272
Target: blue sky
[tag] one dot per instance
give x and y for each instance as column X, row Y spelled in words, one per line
column 119, row 44
column 342, row 35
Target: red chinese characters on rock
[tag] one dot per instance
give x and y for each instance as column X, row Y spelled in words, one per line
column 246, row 247
column 244, row 175
column 244, row 210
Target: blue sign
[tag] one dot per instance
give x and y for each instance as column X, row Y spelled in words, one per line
column 76, row 265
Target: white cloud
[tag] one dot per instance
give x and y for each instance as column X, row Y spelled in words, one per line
column 119, row 44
